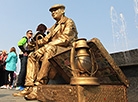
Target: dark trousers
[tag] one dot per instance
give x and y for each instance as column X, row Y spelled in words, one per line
column 7, row 73
column 2, row 77
column 22, row 74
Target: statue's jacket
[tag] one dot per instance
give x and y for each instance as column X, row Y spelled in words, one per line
column 60, row 38
column 61, row 35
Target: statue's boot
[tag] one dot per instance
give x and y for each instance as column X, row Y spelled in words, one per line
column 28, row 84
column 32, row 95
column 24, row 92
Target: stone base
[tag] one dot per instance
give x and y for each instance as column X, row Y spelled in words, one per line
column 68, row 93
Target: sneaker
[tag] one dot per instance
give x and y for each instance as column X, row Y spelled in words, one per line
column 21, row 88
column 17, row 88
column 10, row 87
column 3, row 87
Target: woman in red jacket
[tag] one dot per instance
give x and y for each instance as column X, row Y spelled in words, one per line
column 2, row 70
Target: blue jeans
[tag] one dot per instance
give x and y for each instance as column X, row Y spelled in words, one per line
column 22, row 74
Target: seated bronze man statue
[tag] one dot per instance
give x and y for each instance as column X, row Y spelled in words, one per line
column 61, row 35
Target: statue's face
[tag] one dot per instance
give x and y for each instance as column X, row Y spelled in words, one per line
column 57, row 13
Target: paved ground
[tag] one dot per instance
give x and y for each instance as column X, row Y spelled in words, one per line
column 6, row 96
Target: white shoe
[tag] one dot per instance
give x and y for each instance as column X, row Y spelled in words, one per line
column 3, row 87
column 10, row 87
column 17, row 88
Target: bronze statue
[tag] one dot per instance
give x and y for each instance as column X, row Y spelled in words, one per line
column 61, row 36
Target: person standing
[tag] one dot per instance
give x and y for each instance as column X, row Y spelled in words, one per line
column 0, row 53
column 3, row 63
column 23, row 55
column 10, row 66
column 0, row 68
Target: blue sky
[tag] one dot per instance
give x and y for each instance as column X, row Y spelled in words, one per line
column 92, row 18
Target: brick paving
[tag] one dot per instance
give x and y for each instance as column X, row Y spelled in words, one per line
column 6, row 96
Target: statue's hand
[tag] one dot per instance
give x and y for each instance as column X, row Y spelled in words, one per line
column 39, row 53
column 45, row 40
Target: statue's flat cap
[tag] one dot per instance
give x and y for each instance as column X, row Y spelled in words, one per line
column 56, row 6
